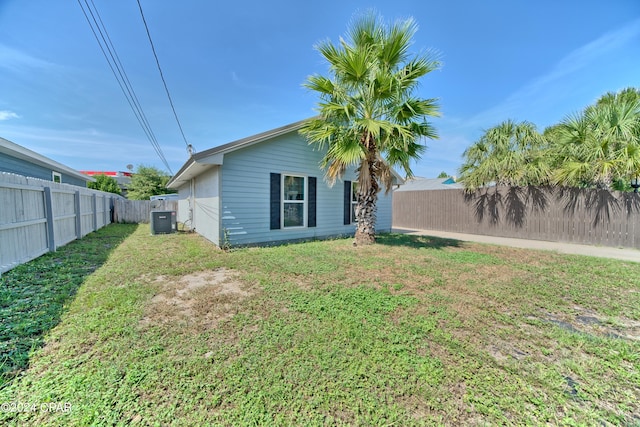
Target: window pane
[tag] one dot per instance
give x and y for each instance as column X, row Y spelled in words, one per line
column 354, row 200
column 293, row 214
column 293, row 188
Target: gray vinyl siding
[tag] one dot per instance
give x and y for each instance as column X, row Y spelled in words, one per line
column 22, row 167
column 245, row 177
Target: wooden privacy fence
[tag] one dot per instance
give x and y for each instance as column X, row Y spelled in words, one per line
column 585, row 216
column 139, row 211
column 39, row 216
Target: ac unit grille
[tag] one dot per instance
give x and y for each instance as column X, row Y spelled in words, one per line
column 163, row 222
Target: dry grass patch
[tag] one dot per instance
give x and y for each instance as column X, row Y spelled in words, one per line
column 201, row 300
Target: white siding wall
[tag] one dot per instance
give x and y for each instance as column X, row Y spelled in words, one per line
column 246, row 189
column 206, row 207
column 183, row 214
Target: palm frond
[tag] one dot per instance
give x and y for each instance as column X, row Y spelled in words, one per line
column 510, row 153
column 397, row 42
column 368, row 115
column 320, row 84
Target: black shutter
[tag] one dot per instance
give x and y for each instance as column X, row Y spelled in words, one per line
column 311, row 212
column 275, row 201
column 347, row 202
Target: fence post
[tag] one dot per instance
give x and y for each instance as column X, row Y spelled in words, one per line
column 104, row 211
column 48, row 207
column 78, row 216
column 94, row 200
column 115, row 218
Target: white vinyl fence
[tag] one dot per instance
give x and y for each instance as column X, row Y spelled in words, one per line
column 39, row 216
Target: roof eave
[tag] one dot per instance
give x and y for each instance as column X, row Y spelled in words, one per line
column 23, row 153
column 215, row 156
column 398, row 179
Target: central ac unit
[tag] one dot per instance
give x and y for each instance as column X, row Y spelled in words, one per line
column 163, row 222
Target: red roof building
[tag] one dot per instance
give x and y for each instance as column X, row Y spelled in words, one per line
column 123, row 178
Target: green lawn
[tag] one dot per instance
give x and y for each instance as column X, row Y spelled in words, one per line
column 128, row 328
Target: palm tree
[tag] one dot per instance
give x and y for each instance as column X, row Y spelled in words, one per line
column 369, row 116
column 512, row 154
column 600, row 145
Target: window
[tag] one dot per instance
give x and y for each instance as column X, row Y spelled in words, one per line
column 350, row 201
column 354, row 201
column 56, row 177
column 293, row 201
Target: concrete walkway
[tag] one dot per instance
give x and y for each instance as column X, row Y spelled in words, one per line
column 565, row 248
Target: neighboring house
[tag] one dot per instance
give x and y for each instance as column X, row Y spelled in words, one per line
column 420, row 184
column 22, row 161
column 122, row 178
column 267, row 188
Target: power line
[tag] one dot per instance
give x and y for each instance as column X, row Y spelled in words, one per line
column 189, row 147
column 124, row 81
column 121, row 76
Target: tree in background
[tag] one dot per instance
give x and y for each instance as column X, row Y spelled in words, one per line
column 105, row 183
column 510, row 153
column 369, row 116
column 148, row 181
column 443, row 174
column 599, row 147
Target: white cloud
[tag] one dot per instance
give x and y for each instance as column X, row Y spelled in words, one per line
column 6, row 115
column 590, row 52
column 559, row 82
column 545, row 97
column 17, row 60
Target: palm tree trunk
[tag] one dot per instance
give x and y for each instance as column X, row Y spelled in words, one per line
column 367, row 203
column 368, row 188
column 366, row 218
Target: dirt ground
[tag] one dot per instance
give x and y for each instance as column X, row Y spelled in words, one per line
column 205, row 298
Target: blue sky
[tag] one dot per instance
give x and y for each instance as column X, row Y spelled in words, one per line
column 236, row 69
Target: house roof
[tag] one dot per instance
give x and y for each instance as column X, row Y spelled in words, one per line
column 418, row 184
column 199, row 162
column 14, row 150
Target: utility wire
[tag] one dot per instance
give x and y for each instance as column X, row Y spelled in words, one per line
column 123, row 75
column 125, row 84
column 162, row 77
column 123, row 81
column 120, row 75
